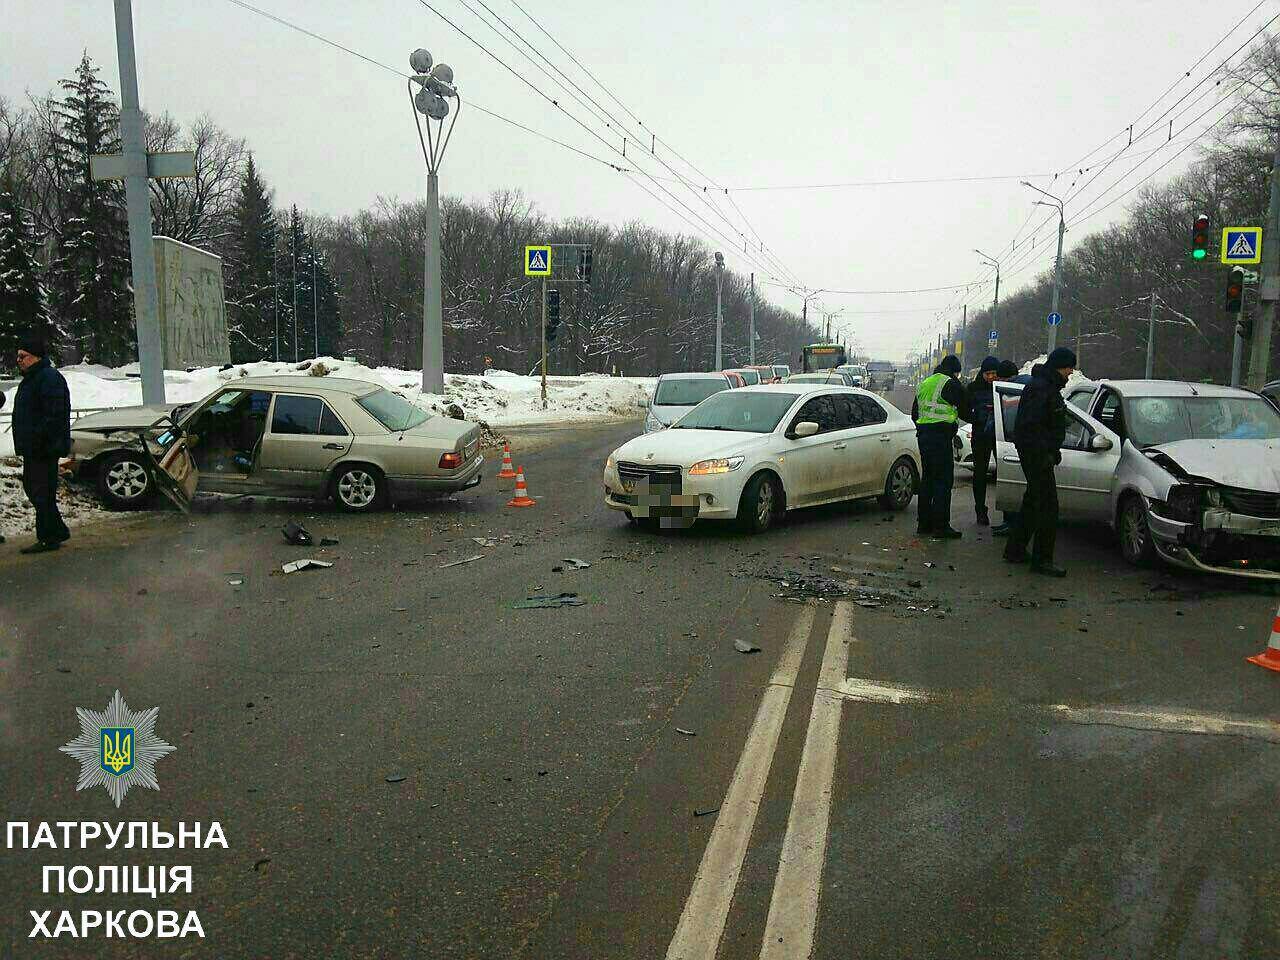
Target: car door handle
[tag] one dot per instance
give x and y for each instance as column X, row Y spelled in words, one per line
column 335, row 446
column 838, row 446
column 886, row 438
column 1011, row 459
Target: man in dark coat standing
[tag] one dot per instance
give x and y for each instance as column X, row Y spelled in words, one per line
column 1038, row 434
column 981, row 403
column 941, row 402
column 42, row 436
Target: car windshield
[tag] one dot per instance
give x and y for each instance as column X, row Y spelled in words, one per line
column 747, row 412
column 687, row 391
column 751, row 376
column 1156, row 420
column 393, row 412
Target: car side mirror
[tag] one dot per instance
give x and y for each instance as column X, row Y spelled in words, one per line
column 1099, row 444
column 805, row 428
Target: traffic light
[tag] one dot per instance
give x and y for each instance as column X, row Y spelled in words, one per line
column 553, row 314
column 1200, row 237
column 584, row 264
column 1235, row 290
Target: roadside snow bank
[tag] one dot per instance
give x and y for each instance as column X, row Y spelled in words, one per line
column 77, row 503
column 499, row 398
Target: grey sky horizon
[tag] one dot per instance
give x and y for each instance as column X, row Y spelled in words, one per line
column 752, row 93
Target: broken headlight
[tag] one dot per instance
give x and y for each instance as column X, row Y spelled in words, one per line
column 1183, row 503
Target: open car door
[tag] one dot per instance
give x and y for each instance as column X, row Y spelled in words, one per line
column 175, row 471
column 1011, row 482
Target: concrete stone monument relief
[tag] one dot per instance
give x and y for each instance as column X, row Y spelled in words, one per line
column 193, row 313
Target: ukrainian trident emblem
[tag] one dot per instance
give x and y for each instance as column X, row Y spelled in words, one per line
column 117, row 748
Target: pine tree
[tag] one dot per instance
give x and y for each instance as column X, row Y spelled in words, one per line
column 317, row 302
column 89, row 276
column 251, row 291
column 23, row 306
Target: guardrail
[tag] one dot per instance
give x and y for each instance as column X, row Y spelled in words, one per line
column 6, row 416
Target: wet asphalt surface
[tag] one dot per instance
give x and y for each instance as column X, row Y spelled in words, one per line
column 542, row 802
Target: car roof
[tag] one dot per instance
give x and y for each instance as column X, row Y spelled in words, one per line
column 688, row 376
column 355, row 388
column 1173, row 388
column 801, row 387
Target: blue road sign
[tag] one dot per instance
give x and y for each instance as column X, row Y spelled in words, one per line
column 1054, row 319
column 993, row 335
column 1242, row 245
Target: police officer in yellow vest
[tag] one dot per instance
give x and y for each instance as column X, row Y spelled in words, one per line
column 941, row 403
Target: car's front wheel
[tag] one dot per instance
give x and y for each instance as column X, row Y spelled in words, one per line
column 761, row 503
column 358, row 488
column 124, row 481
column 1135, row 532
column 900, row 485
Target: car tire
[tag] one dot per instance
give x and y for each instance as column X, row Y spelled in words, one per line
column 1135, row 532
column 761, row 503
column 125, row 481
column 358, row 488
column 900, row 485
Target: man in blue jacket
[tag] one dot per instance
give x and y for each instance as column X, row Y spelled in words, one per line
column 42, row 436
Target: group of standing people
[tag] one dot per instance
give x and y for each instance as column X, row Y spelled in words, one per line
column 41, row 437
column 1040, row 427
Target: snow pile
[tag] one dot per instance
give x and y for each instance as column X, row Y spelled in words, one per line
column 78, row 504
column 1076, row 376
column 499, row 398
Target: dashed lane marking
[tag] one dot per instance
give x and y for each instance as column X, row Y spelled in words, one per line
column 793, row 908
column 702, row 922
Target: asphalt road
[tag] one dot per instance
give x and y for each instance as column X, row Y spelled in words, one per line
column 970, row 762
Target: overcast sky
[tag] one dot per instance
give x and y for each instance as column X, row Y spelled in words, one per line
column 753, row 93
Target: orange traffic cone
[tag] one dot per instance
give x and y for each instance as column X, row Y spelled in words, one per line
column 521, row 498
column 508, row 470
column 1270, row 657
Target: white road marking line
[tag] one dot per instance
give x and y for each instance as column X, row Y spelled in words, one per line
column 877, row 691
column 702, row 922
column 1141, row 718
column 793, row 909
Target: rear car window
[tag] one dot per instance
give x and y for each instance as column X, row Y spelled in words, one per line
column 392, row 411
column 687, row 391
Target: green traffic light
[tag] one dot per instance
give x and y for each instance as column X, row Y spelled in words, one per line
column 1199, row 254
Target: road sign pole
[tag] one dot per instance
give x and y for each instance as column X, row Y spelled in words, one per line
column 1057, row 280
column 544, row 343
column 1151, row 337
column 1270, row 283
column 751, row 322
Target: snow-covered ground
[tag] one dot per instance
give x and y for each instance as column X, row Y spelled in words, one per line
column 497, row 398
column 78, row 504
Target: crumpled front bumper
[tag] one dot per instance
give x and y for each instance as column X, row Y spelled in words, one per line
column 1222, row 542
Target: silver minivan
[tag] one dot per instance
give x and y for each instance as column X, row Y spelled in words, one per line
column 678, row 393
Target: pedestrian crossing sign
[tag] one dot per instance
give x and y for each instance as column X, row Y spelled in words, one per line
column 537, row 261
column 1241, row 245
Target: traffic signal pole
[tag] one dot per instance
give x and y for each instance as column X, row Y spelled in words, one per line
column 1151, row 338
column 1270, row 289
column 1237, row 350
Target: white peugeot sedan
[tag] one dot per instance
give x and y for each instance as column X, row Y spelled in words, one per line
column 754, row 453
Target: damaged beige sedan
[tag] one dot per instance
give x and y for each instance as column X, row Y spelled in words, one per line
column 352, row 441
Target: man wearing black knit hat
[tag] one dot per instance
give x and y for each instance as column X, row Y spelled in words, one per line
column 941, row 403
column 41, row 436
column 983, row 440
column 1040, row 430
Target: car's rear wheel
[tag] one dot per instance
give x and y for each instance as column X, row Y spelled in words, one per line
column 124, row 481
column 358, row 488
column 1135, row 532
column 761, row 503
column 900, row 485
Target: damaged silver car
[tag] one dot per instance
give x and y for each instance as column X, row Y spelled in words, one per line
column 1186, row 472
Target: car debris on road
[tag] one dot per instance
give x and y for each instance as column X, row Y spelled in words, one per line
column 549, row 601
column 308, row 563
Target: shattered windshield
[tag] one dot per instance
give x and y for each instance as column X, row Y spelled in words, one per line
column 1156, row 420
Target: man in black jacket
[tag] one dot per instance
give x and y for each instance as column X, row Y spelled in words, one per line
column 1038, row 434
column 42, row 436
column 941, row 402
column 981, row 402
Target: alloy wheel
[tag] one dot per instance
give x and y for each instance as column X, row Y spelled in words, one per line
column 764, row 504
column 357, row 489
column 1133, row 529
column 127, row 479
column 900, row 484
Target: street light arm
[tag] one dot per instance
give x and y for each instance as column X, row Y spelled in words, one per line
column 452, row 123
column 1046, row 193
column 426, row 155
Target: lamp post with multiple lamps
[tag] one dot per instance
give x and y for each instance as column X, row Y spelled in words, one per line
column 435, row 90
column 719, row 307
column 1057, row 263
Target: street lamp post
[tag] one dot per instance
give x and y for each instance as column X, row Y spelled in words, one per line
column 436, row 89
column 719, row 307
column 992, row 262
column 1057, row 263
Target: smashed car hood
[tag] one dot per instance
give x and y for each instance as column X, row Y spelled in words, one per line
column 1246, row 464
column 124, row 417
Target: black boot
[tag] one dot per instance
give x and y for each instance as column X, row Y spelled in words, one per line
column 40, row 547
column 1048, row 569
column 984, row 519
column 946, row 533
